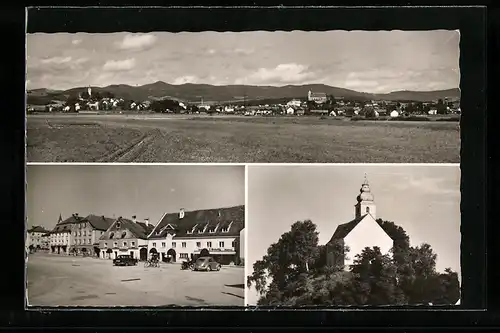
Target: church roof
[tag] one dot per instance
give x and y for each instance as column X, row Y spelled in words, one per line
column 344, row 229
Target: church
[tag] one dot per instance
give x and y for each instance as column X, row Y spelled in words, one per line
column 363, row 231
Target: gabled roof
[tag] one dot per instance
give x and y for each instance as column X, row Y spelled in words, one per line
column 344, row 229
column 38, row 228
column 72, row 219
column 138, row 229
column 200, row 218
column 61, row 228
column 99, row 222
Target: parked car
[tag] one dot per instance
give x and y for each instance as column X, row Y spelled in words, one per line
column 124, row 260
column 206, row 264
column 188, row 264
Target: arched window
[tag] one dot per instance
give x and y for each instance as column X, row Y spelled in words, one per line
column 367, row 209
column 111, row 235
column 124, row 234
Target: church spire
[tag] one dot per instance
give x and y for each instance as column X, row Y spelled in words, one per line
column 60, row 218
column 365, row 199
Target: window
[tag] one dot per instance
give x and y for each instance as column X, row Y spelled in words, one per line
column 221, row 244
column 90, row 241
column 84, row 233
column 105, row 244
column 183, row 256
column 209, row 244
column 233, row 244
column 118, row 224
column 367, row 209
column 124, row 243
column 163, row 244
column 154, row 244
column 115, row 244
column 111, row 235
column 173, row 244
column 198, row 244
column 124, row 234
column 183, row 244
column 133, row 243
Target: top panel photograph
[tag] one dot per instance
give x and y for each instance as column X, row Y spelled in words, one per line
column 244, row 97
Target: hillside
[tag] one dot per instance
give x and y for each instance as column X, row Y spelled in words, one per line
column 195, row 92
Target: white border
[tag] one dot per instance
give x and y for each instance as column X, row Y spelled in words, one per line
column 245, row 293
column 247, row 164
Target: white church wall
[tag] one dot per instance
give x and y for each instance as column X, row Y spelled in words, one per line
column 366, row 234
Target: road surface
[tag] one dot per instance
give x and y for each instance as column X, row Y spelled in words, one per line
column 55, row 280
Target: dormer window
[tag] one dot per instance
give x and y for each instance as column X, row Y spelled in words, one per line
column 124, row 234
column 192, row 229
column 118, row 224
column 213, row 229
column 226, row 229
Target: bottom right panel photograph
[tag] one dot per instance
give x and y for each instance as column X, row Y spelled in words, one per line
column 353, row 235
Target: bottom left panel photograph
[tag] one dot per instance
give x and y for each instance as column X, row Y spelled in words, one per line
column 135, row 235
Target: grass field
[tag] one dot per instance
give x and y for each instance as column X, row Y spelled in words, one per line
column 100, row 138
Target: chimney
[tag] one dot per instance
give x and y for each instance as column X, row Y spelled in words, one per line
column 146, row 221
column 134, row 218
column 181, row 213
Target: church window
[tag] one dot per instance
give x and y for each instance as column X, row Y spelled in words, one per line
column 367, row 209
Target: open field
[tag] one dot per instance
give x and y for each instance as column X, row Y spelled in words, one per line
column 238, row 139
column 55, row 280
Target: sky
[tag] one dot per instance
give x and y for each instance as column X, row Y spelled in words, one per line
column 365, row 61
column 127, row 190
column 423, row 200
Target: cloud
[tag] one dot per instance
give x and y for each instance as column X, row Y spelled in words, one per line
column 119, row 65
column 186, row 79
column 137, row 42
column 429, row 186
column 56, row 60
column 281, row 74
column 76, row 41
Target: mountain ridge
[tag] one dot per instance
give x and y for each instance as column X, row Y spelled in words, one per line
column 193, row 92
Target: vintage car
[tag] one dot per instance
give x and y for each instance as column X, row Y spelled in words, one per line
column 124, row 260
column 206, row 264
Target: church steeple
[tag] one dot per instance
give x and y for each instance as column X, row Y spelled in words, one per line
column 60, row 218
column 365, row 199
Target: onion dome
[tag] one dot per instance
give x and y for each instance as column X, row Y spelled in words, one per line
column 365, row 194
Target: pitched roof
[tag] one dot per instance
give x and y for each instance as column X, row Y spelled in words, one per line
column 138, row 229
column 37, row 228
column 200, row 223
column 344, row 229
column 99, row 222
column 61, row 228
column 318, row 94
column 72, row 219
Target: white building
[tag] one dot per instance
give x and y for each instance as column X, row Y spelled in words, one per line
column 242, row 244
column 60, row 236
column 290, row 111
column 363, row 231
column 35, row 238
column 125, row 236
column 188, row 235
column 294, row 102
column 394, row 114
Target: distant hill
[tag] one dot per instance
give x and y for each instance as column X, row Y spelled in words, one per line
column 195, row 92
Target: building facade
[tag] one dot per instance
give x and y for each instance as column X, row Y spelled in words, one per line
column 125, row 237
column 60, row 236
column 319, row 98
column 189, row 235
column 36, row 238
column 85, row 234
column 363, row 231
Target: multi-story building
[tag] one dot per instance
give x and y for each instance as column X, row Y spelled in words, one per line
column 125, row 236
column 209, row 232
column 60, row 236
column 317, row 97
column 85, row 234
column 35, row 238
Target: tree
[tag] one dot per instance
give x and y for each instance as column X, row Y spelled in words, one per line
column 293, row 254
column 441, row 107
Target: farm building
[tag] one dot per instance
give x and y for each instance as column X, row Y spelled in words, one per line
column 394, row 114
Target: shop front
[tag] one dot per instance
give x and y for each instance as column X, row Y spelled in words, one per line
column 221, row 255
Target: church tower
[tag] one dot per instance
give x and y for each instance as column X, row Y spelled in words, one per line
column 366, row 204
column 89, row 90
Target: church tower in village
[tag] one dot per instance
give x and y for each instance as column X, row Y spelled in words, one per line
column 366, row 201
column 89, row 90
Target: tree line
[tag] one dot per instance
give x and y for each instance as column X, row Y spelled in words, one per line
column 294, row 272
